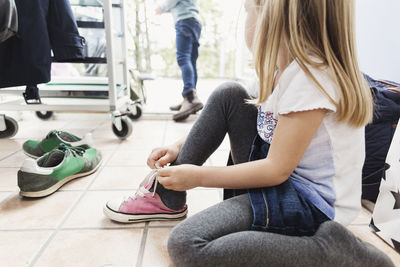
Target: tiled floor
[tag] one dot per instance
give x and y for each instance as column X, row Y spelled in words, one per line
column 68, row 228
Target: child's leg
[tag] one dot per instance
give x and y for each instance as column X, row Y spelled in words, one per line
column 225, row 112
column 220, row 236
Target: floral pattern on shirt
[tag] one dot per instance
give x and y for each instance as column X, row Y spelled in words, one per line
column 266, row 124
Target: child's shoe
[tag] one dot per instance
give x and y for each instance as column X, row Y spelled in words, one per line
column 142, row 206
column 36, row 149
column 42, row 177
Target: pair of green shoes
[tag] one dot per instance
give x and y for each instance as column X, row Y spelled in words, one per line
column 57, row 159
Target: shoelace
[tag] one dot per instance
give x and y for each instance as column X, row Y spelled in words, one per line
column 142, row 190
column 75, row 151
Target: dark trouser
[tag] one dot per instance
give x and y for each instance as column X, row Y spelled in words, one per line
column 187, row 51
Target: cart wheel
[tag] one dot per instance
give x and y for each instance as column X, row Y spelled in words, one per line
column 137, row 115
column 11, row 128
column 126, row 130
column 44, row 115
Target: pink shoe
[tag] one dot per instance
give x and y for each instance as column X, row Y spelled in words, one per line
column 143, row 206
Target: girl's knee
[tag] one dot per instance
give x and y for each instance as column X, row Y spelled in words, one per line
column 183, row 248
column 229, row 90
column 179, row 246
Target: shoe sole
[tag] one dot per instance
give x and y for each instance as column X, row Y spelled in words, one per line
column 56, row 186
column 184, row 115
column 130, row 218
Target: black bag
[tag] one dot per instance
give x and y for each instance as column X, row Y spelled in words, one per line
column 8, row 19
column 379, row 134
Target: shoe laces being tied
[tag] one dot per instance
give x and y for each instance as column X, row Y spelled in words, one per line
column 74, row 151
column 141, row 191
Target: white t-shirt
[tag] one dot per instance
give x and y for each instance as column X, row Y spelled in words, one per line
column 329, row 174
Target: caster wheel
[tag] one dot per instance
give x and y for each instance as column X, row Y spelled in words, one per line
column 137, row 115
column 44, row 115
column 126, row 130
column 11, row 128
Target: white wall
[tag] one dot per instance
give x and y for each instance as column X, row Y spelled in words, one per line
column 378, row 38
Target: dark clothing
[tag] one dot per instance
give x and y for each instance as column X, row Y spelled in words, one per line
column 187, row 51
column 25, row 59
column 379, row 134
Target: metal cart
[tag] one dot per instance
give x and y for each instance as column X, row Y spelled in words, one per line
column 94, row 94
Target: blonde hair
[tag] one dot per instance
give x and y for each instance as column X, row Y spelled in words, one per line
column 321, row 28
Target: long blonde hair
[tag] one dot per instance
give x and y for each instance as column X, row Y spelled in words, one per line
column 324, row 29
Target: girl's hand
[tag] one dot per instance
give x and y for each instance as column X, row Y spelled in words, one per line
column 163, row 155
column 180, row 178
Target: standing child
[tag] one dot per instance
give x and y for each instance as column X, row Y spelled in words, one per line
column 188, row 30
column 305, row 161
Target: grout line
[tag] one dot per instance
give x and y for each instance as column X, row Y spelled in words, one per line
column 139, row 261
column 91, row 228
column 64, row 219
column 10, row 155
column 8, row 197
column 359, row 224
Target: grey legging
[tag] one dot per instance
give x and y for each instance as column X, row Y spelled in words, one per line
column 220, row 235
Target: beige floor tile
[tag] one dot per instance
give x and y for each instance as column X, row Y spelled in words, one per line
column 365, row 234
column 14, row 161
column 176, row 131
column 93, row 248
column 79, row 183
column 149, row 129
column 166, row 223
column 156, row 252
column 363, row 218
column 106, row 144
column 199, row 200
column 8, row 181
column 129, row 158
column 121, row 178
column 19, row 248
column 5, row 153
column 12, row 144
column 4, row 195
column 219, row 157
column 80, row 124
column 23, row 213
column 141, row 143
column 89, row 212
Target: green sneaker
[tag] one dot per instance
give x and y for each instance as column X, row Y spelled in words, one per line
column 36, row 149
column 44, row 176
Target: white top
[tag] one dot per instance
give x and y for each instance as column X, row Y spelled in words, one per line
column 329, row 174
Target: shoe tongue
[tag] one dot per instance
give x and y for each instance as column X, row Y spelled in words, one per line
column 68, row 137
column 150, row 184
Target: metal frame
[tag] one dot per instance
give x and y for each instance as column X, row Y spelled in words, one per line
column 117, row 101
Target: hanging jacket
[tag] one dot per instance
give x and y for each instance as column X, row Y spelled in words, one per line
column 8, row 19
column 43, row 25
column 379, row 134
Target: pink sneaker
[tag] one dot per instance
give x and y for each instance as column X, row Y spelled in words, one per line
column 143, row 206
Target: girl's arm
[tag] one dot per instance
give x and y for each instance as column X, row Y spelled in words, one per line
column 292, row 136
